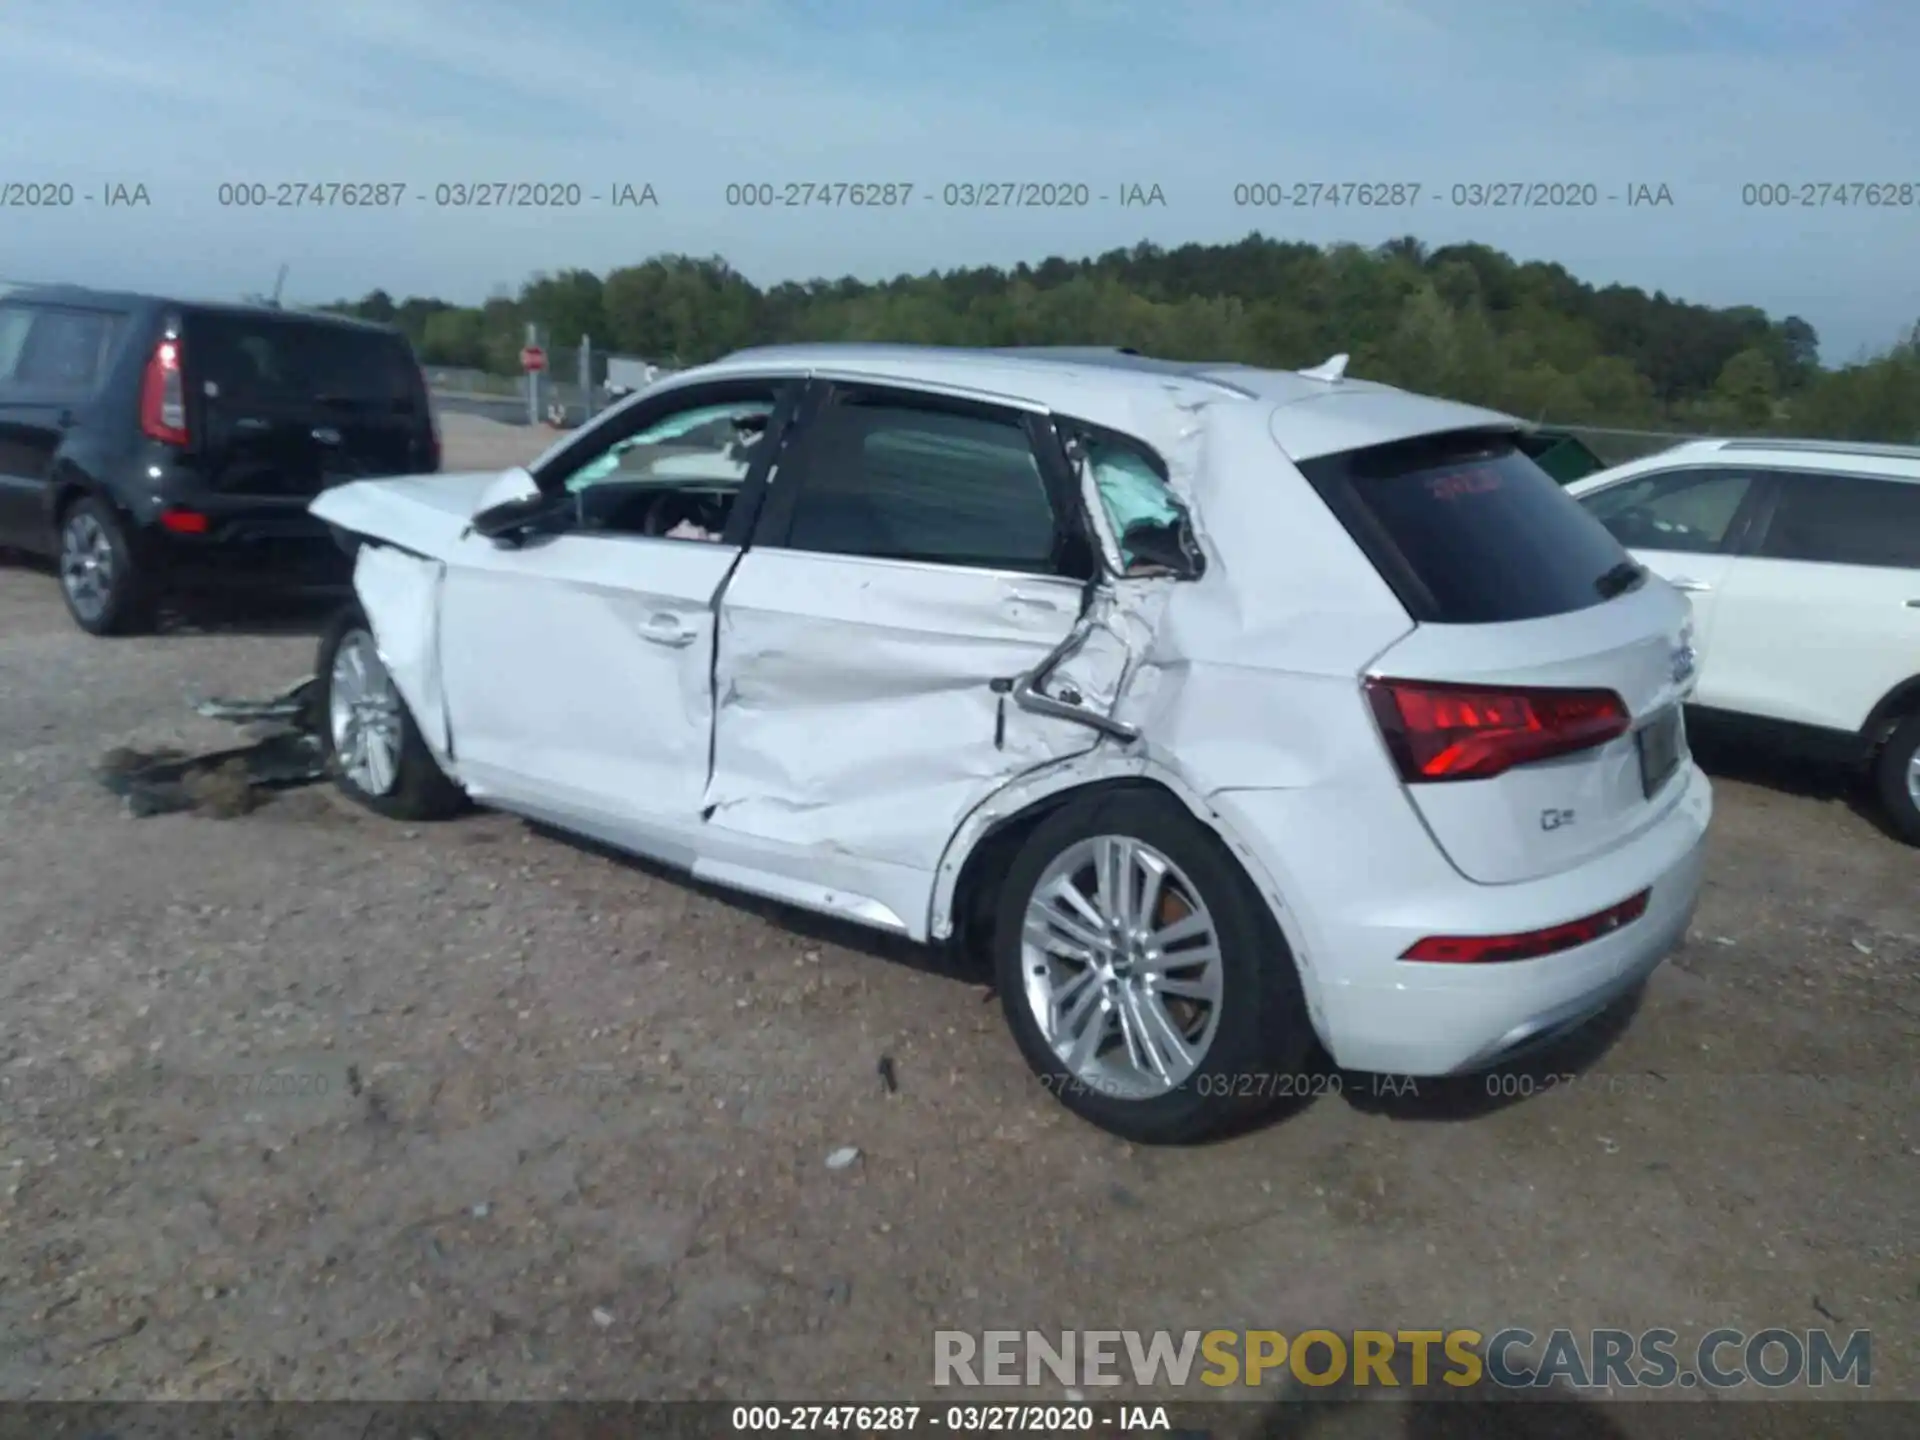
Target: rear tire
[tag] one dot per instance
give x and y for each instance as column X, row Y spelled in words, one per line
column 102, row 578
column 1187, row 1049
column 373, row 749
column 1897, row 778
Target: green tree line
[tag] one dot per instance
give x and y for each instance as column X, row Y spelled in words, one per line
column 1465, row 321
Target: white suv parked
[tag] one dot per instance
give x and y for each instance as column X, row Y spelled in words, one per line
column 1802, row 558
column 1226, row 708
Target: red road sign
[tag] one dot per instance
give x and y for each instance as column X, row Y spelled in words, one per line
column 533, row 358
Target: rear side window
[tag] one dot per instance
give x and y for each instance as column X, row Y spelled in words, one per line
column 894, row 481
column 15, row 322
column 1846, row 520
column 1468, row 530
column 269, row 361
column 65, row 351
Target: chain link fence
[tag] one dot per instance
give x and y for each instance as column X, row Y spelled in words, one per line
column 572, row 389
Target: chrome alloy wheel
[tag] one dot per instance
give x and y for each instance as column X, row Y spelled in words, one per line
column 363, row 715
column 86, row 565
column 1913, row 778
column 1122, row 967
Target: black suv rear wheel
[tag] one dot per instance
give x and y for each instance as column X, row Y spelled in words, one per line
column 102, row 578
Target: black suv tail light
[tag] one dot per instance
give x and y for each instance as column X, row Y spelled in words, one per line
column 163, row 395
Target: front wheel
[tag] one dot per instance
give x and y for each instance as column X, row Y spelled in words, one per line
column 373, row 749
column 1898, row 777
column 1143, row 975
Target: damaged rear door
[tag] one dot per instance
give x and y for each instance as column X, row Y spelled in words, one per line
column 917, row 554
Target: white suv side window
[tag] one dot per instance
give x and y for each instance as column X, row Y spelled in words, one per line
column 677, row 476
column 891, row 479
column 1845, row 520
column 712, row 444
column 1690, row 510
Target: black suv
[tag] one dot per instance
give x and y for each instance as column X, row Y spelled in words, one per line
column 156, row 446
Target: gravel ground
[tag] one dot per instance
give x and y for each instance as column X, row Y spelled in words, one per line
column 475, row 442
column 558, row 1124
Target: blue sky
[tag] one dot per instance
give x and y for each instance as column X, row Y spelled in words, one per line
column 1192, row 95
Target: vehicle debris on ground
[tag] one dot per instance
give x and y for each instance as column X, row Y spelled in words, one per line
column 283, row 753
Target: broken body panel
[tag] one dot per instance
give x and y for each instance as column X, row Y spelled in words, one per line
column 826, row 730
column 811, row 728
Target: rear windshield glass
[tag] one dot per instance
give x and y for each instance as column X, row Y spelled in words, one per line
column 1469, row 531
column 267, row 360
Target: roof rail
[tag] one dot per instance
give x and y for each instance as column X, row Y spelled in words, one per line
column 1069, row 350
column 1830, row 447
column 1122, row 358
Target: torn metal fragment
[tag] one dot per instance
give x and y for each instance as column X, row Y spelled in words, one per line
column 292, row 706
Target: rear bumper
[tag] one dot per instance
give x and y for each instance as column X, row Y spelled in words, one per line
column 1363, row 883
column 253, row 543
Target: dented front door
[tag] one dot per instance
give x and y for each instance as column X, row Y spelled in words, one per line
column 577, row 675
column 914, row 563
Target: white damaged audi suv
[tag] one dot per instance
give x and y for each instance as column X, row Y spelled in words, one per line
column 1230, row 710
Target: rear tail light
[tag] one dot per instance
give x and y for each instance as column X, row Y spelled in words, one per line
column 1470, row 732
column 1485, row 949
column 163, row 396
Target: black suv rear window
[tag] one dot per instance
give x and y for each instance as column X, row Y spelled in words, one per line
column 1469, row 531
column 272, row 360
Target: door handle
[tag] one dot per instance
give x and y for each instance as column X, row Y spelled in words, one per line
column 1694, row 587
column 65, row 421
column 1913, row 604
column 667, row 630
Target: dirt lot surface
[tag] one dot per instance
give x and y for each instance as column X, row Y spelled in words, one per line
column 473, row 442
column 542, row 1123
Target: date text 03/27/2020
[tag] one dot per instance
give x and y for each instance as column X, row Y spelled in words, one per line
column 1074, row 1418
column 443, row 195
column 1066, row 194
